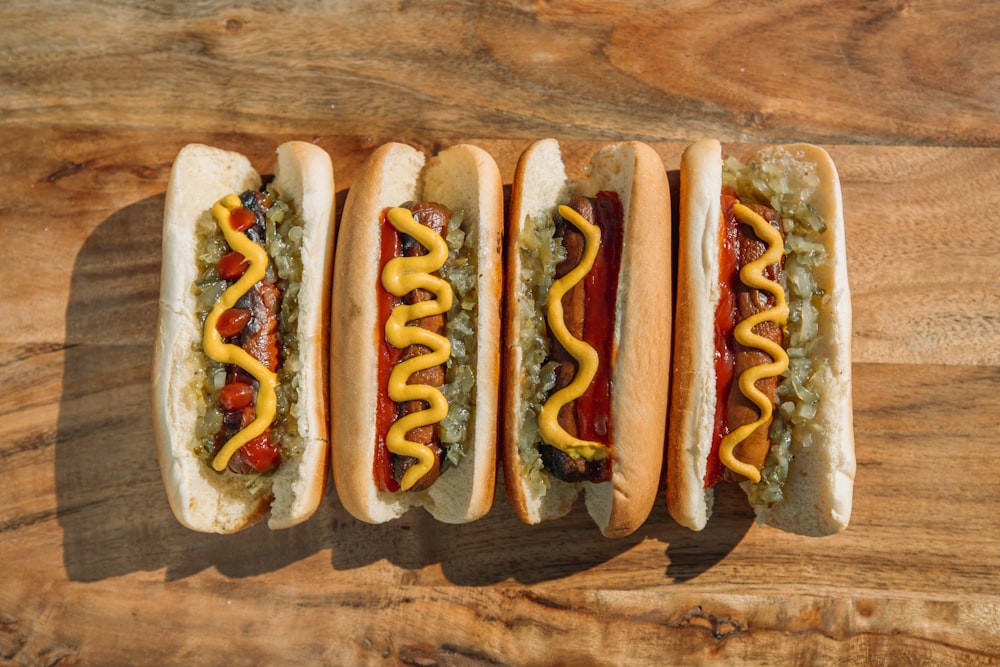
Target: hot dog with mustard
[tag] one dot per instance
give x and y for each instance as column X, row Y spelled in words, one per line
column 588, row 297
column 415, row 327
column 239, row 370
column 762, row 369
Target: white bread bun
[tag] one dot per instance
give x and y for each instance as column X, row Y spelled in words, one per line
column 201, row 498
column 819, row 489
column 641, row 329
column 463, row 178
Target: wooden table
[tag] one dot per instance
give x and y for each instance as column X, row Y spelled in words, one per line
column 94, row 105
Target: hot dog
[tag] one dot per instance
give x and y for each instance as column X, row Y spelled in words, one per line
column 239, row 369
column 761, row 388
column 415, row 327
column 588, row 295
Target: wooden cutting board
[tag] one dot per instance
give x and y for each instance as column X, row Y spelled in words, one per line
column 94, row 105
column 97, row 571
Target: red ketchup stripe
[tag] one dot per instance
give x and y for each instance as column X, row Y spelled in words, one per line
column 725, row 324
column 388, row 357
column 593, row 408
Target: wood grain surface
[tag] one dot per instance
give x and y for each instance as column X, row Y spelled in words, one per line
column 96, row 102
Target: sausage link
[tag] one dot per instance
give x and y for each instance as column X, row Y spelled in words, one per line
column 260, row 337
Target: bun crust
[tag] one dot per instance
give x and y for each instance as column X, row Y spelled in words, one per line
column 200, row 498
column 819, row 491
column 461, row 177
column 692, row 399
column 641, row 329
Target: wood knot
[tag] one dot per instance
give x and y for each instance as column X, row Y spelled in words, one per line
column 720, row 627
column 65, row 170
column 754, row 119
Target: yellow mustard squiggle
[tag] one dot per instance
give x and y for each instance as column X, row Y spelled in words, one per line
column 401, row 276
column 585, row 355
column 752, row 275
column 227, row 353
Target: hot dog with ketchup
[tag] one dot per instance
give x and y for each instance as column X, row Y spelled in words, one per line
column 239, row 373
column 588, row 297
column 762, row 370
column 415, row 329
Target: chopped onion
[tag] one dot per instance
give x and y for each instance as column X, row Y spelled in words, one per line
column 460, row 328
column 540, row 252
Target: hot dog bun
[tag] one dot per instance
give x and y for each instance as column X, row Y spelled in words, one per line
column 465, row 179
column 202, row 499
column 642, row 314
column 819, row 488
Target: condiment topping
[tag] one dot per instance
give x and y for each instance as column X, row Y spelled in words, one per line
column 752, row 275
column 585, row 355
column 228, row 215
column 400, row 276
